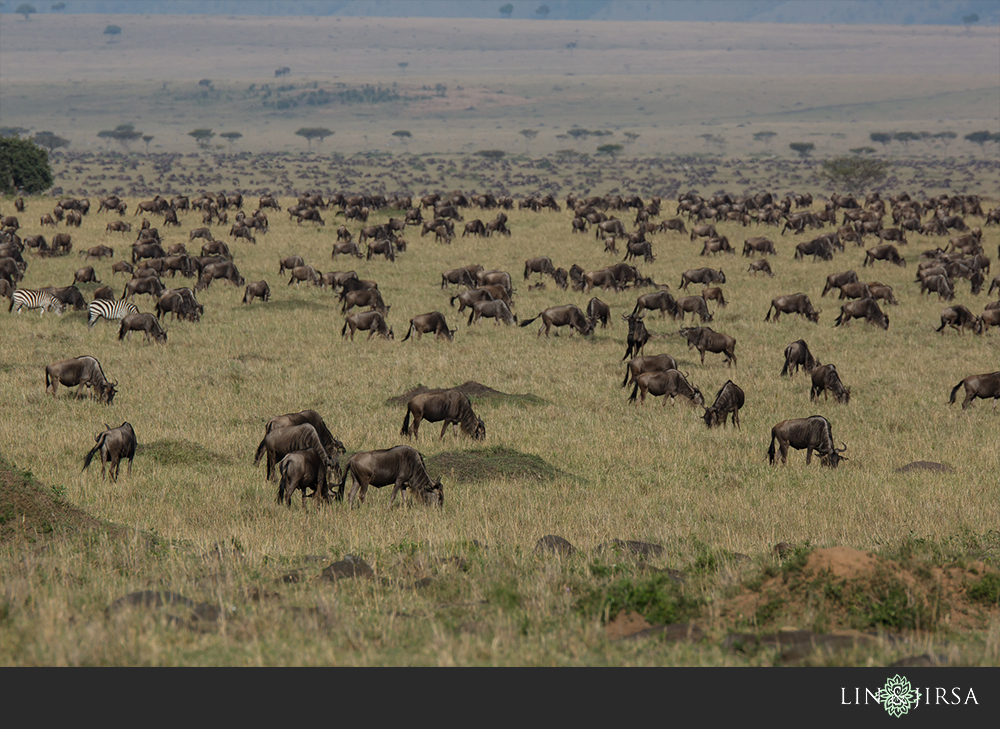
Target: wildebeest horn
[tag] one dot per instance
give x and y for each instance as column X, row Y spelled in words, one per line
column 841, row 450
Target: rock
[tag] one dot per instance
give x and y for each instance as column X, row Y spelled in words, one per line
column 553, row 543
column 349, row 566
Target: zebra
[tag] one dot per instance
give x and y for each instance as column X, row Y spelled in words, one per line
column 34, row 299
column 109, row 310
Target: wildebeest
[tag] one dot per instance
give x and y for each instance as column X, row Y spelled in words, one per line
column 313, row 418
column 702, row 276
column 542, row 264
column 668, row 383
column 820, row 248
column 367, row 321
column 179, row 302
column 984, row 386
column 460, row 276
column 146, row 323
column 349, row 248
column 279, row 442
column 813, row 434
column 729, row 399
column 382, row 247
column 758, row 244
column 826, row 378
column 430, row 323
column 289, row 262
column 257, row 290
column 797, row 355
column 705, row 339
column 113, row 444
column 958, row 318
column 605, row 278
column 402, row 466
column 760, row 266
column 496, row 309
column 638, row 335
column 451, row 406
column 150, row 285
column 649, row 363
column 836, row 280
column 303, row 470
column 865, row 309
column 365, row 297
column 470, row 297
column 856, row 290
column 598, row 310
column 559, row 316
column 695, row 305
column 85, row 275
column 658, row 300
column 304, row 273
column 81, row 371
column 68, row 296
column 941, row 285
column 884, row 252
column 793, row 304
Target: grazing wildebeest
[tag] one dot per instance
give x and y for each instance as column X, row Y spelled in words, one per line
column 668, row 383
column 460, row 276
column 797, row 355
column 658, row 300
column 984, row 386
column 382, row 247
column 884, row 252
column 649, row 363
column 883, row 292
column 836, row 280
column 451, row 406
column 304, row 273
column 958, row 318
column 826, row 378
column 638, row 335
column 865, row 309
column 702, row 276
column 98, row 252
column 85, row 275
column 349, row 248
column 68, row 296
column 597, row 310
column 542, row 265
column 703, row 231
column 496, row 310
column 695, row 305
column 856, row 290
column 758, row 244
column 279, row 442
column 717, row 245
column 729, row 399
column 289, row 262
column 370, row 321
column 605, row 278
column 330, row 443
column 303, row 470
column 817, row 248
column 761, row 265
column 150, row 285
column 559, row 316
column 401, row 466
column 204, row 233
column 813, row 434
column 146, row 323
column 430, row 323
column 82, row 371
column 705, row 339
column 941, row 285
column 793, row 304
column 256, row 290
column 365, row 297
column 471, row 297
column 181, row 303
column 113, row 444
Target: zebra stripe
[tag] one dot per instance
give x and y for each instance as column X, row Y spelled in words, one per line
column 34, row 299
column 109, row 310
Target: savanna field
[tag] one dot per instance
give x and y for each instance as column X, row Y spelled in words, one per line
column 685, row 546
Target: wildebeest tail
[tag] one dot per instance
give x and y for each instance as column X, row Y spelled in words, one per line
column 90, row 456
column 635, row 390
column 261, row 450
column 472, row 313
column 408, row 332
column 283, row 482
column 121, row 331
column 342, row 483
column 343, row 331
column 770, row 451
column 526, row 322
column 406, row 424
column 625, row 381
column 953, row 391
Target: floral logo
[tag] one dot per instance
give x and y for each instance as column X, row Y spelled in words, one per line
column 897, row 696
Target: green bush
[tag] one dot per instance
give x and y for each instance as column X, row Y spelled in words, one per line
column 23, row 165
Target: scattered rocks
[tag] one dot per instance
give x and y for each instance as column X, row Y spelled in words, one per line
column 349, row 566
column 643, row 549
column 556, row 544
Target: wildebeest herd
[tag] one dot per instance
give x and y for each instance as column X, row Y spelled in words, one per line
column 299, row 448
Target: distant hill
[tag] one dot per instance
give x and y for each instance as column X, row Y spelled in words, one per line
column 881, row 12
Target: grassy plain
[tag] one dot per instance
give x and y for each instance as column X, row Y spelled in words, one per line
column 463, row 586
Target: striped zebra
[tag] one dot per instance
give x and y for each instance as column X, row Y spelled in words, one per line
column 109, row 310
column 34, row 299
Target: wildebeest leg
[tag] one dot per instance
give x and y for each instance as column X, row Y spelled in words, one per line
column 444, row 427
column 397, row 487
column 809, row 455
column 79, row 390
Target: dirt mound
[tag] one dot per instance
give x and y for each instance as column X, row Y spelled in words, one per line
column 483, row 464
column 472, row 389
column 845, row 589
column 29, row 510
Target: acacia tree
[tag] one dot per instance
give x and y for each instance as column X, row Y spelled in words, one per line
column 231, row 137
column 528, row 135
column 26, row 10
column 202, row 136
column 124, row 134
column 402, row 135
column 981, row 138
column 630, row 137
column 804, row 149
column 766, row 137
column 945, row 138
column 147, row 138
column 882, row 138
column 854, row 174
column 311, row 133
column 23, row 166
column 542, row 11
column 50, row 141
column 507, row 10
